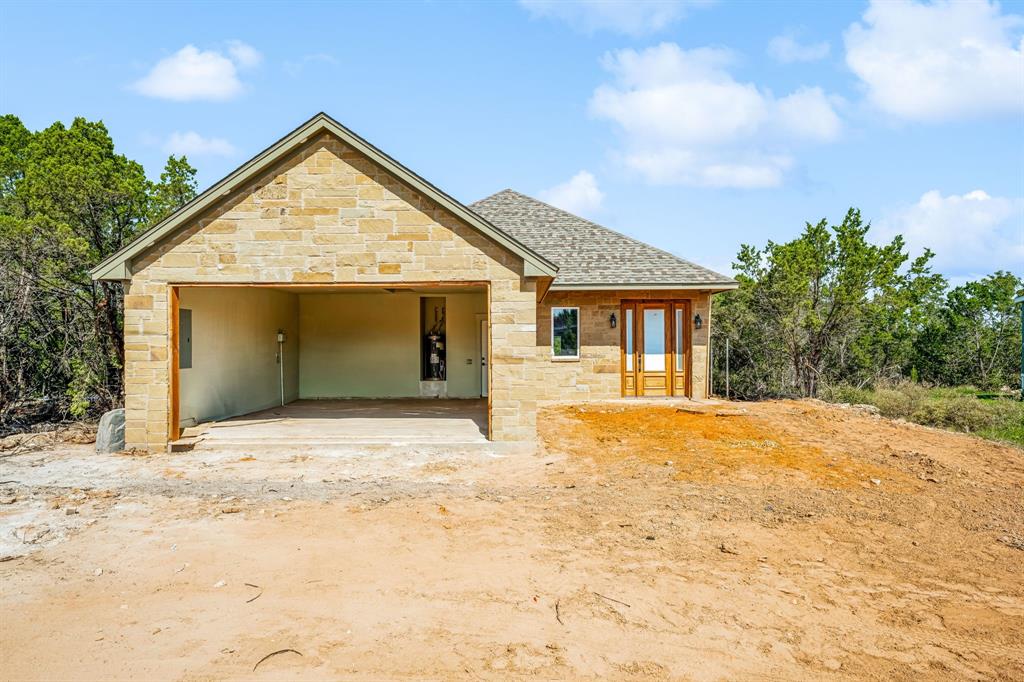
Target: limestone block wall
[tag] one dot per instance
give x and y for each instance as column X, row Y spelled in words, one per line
column 597, row 375
column 328, row 215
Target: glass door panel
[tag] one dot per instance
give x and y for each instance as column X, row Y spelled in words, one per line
column 654, row 339
column 629, row 354
column 679, row 340
column 680, row 347
column 629, row 339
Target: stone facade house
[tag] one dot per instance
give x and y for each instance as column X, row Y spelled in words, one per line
column 323, row 268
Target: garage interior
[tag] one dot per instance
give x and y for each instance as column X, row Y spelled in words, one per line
column 332, row 362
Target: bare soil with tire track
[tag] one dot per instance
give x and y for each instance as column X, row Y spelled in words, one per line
column 784, row 540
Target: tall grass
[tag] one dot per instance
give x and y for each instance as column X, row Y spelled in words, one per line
column 998, row 416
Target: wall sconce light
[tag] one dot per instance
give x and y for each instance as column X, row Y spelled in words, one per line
column 697, row 322
column 613, row 321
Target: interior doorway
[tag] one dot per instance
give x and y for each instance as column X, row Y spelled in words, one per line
column 655, row 348
column 482, row 346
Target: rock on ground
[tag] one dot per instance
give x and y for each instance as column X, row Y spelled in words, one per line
column 110, row 433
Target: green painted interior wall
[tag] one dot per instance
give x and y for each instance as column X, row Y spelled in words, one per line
column 234, row 351
column 358, row 345
column 367, row 345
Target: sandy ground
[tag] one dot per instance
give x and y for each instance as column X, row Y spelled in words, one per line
column 787, row 540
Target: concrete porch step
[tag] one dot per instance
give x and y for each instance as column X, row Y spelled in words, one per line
column 185, row 444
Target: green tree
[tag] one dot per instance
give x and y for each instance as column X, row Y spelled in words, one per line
column 176, row 188
column 67, row 201
column 14, row 140
column 883, row 350
column 807, row 311
column 974, row 338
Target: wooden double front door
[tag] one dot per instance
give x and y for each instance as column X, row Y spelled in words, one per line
column 655, row 348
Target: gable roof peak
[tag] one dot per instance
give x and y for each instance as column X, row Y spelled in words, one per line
column 118, row 265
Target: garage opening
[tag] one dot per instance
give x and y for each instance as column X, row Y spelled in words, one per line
column 332, row 362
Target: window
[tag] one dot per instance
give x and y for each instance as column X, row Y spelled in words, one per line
column 565, row 332
column 629, row 339
column 680, row 347
column 654, row 339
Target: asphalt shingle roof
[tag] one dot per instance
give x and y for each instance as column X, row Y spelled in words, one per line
column 587, row 253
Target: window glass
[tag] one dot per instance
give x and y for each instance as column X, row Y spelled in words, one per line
column 565, row 332
column 679, row 339
column 654, row 339
column 629, row 339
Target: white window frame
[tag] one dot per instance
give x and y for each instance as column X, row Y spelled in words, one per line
column 579, row 341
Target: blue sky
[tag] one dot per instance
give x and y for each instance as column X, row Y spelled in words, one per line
column 695, row 126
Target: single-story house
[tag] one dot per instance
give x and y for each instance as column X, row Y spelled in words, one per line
column 323, row 268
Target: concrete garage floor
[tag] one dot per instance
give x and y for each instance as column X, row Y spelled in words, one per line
column 342, row 422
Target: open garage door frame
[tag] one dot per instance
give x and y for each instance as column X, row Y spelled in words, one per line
column 174, row 307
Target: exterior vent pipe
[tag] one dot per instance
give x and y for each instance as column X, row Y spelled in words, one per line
column 280, row 360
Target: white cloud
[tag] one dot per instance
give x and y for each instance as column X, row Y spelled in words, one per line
column 632, row 17
column 246, row 56
column 192, row 143
column 686, row 120
column 194, row 74
column 969, row 233
column 786, row 49
column 808, row 113
column 676, row 166
column 296, row 66
column 579, row 194
column 941, row 61
column 679, row 96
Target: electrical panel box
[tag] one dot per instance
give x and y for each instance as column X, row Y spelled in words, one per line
column 432, row 322
column 184, row 338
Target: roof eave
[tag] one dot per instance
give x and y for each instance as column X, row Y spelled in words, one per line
column 634, row 286
column 118, row 265
column 116, row 271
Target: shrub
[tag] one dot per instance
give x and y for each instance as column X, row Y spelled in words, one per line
column 957, row 412
column 897, row 403
column 958, row 408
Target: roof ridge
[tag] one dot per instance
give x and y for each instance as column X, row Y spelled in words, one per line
column 491, row 196
column 605, row 228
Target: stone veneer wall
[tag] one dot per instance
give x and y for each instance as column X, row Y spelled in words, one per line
column 325, row 215
column 596, row 375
